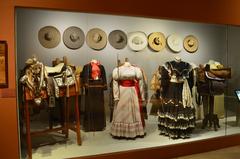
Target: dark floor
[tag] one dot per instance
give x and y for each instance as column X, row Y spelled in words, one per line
column 226, row 153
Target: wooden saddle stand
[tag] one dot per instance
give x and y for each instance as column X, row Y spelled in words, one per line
column 64, row 128
column 65, row 91
column 211, row 83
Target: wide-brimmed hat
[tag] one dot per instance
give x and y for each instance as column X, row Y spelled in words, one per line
column 156, row 41
column 137, row 41
column 190, row 43
column 73, row 37
column 96, row 39
column 49, row 37
column 117, row 39
column 175, row 43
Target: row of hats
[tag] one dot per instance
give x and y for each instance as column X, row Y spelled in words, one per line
column 73, row 38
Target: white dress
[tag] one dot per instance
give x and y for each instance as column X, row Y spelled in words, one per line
column 127, row 85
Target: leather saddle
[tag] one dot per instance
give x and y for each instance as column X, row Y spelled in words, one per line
column 39, row 77
column 63, row 75
column 212, row 82
column 54, row 70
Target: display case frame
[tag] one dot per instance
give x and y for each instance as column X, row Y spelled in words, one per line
column 214, row 12
column 136, row 151
column 3, row 64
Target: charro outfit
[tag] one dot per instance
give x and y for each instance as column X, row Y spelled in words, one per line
column 176, row 113
column 93, row 78
column 128, row 95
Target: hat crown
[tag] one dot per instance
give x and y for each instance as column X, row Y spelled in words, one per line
column 48, row 36
column 176, row 41
column 137, row 40
column 157, row 41
column 74, row 37
column 190, row 42
column 97, row 37
column 119, row 38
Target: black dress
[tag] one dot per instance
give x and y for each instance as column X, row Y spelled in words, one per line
column 94, row 112
column 176, row 119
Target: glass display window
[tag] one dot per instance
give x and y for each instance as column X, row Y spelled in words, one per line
column 109, row 83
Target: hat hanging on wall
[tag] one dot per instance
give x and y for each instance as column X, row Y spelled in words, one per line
column 117, row 39
column 49, row 37
column 96, row 39
column 190, row 43
column 157, row 41
column 73, row 37
column 175, row 43
column 137, row 41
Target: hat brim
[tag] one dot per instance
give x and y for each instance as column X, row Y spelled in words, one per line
column 187, row 47
column 55, row 37
column 175, row 43
column 113, row 41
column 134, row 46
column 96, row 45
column 73, row 44
column 157, row 47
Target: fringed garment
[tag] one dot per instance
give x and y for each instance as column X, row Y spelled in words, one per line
column 176, row 112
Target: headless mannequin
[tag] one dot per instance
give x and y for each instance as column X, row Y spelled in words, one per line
column 127, row 63
column 177, row 59
column 94, row 61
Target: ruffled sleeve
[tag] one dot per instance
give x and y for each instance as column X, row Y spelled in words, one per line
column 115, row 76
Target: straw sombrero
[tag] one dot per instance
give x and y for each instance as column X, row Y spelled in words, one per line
column 190, row 43
column 49, row 37
column 96, row 39
column 156, row 41
column 73, row 37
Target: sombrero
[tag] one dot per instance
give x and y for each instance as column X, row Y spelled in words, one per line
column 175, row 43
column 156, row 41
column 190, row 43
column 96, row 39
column 49, row 37
column 73, row 37
column 137, row 41
column 117, row 39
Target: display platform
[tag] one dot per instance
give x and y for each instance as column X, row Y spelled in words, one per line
column 94, row 143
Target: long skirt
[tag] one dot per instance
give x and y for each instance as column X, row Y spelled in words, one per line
column 127, row 116
column 175, row 120
column 94, row 112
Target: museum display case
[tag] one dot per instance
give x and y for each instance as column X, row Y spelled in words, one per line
column 122, row 83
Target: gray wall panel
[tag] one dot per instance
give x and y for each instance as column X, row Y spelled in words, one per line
column 211, row 38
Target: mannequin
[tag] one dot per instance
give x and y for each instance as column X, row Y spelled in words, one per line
column 176, row 114
column 94, row 61
column 94, row 83
column 177, row 59
column 127, row 93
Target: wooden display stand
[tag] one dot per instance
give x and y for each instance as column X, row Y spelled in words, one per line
column 210, row 118
column 64, row 128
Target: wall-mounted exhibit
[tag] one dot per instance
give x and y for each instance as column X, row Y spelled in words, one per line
column 132, row 82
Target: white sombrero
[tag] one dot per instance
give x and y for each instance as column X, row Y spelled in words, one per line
column 137, row 41
column 175, row 43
